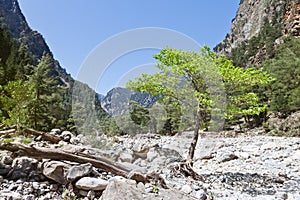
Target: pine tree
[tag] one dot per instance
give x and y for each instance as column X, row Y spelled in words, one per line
column 47, row 105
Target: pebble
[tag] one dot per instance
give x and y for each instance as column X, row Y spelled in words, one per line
column 248, row 167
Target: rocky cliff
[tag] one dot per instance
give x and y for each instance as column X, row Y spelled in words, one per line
column 13, row 19
column 292, row 18
column 252, row 15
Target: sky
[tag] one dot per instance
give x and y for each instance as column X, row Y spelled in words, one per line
column 77, row 31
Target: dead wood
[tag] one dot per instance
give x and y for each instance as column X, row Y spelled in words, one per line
column 47, row 136
column 186, row 169
column 97, row 161
column 5, row 133
column 57, row 154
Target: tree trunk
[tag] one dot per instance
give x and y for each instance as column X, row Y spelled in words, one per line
column 57, row 154
column 196, row 136
column 50, row 137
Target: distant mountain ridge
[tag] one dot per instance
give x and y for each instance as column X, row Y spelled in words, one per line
column 117, row 100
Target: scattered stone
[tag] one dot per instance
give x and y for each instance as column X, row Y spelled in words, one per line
column 10, row 195
column 201, row 195
column 67, row 135
column 91, row 194
column 89, row 183
column 7, row 160
column 226, row 157
column 76, row 172
column 186, row 189
column 126, row 157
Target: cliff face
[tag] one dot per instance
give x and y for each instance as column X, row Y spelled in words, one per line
column 13, row 19
column 292, row 19
column 252, row 15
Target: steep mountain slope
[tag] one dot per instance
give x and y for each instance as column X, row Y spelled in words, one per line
column 266, row 33
column 253, row 15
column 20, row 38
column 13, row 19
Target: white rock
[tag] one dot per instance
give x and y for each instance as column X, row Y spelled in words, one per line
column 89, row 183
column 186, row 189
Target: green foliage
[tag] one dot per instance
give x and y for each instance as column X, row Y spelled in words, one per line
column 139, row 114
column 7, row 140
column 243, row 55
column 195, row 83
column 16, row 98
column 26, row 140
column 155, row 189
column 285, row 91
column 68, row 194
column 47, row 105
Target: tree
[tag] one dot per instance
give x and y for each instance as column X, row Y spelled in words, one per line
column 284, row 92
column 16, row 98
column 48, row 109
column 199, row 80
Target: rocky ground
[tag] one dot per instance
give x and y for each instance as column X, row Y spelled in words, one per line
column 244, row 167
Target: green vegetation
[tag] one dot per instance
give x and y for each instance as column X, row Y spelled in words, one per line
column 16, row 98
column 155, row 189
column 37, row 93
column 258, row 48
column 8, row 140
column 199, row 83
column 26, row 140
column 285, row 67
column 192, row 89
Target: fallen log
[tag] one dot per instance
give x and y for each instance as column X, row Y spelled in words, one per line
column 97, row 161
column 57, row 154
column 47, row 136
column 7, row 132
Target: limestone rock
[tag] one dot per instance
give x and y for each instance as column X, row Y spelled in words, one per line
column 56, row 171
column 89, row 183
column 79, row 171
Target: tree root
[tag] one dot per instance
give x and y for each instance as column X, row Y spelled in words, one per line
column 185, row 169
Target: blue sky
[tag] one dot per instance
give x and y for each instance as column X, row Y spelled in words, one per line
column 73, row 28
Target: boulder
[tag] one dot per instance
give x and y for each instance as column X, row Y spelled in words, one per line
column 56, row 170
column 79, row 171
column 22, row 167
column 121, row 188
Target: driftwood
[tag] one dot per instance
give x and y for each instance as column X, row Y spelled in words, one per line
column 57, row 154
column 7, row 132
column 47, row 136
column 97, row 161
